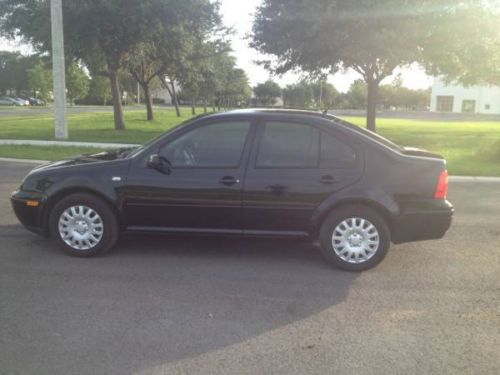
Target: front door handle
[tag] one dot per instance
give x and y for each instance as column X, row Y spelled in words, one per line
column 229, row 180
column 327, row 180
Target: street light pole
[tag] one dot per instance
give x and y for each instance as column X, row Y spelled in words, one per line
column 58, row 70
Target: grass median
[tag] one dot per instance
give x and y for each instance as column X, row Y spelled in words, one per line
column 470, row 147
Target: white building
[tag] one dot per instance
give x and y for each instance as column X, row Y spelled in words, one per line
column 460, row 99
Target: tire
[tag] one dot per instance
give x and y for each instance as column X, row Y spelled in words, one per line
column 86, row 236
column 349, row 243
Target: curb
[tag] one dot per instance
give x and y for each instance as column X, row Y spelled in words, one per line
column 64, row 143
column 25, row 161
column 452, row 178
column 474, row 179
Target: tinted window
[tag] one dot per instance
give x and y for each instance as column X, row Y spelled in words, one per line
column 335, row 153
column 288, row 145
column 215, row 145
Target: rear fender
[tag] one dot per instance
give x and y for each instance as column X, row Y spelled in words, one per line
column 378, row 200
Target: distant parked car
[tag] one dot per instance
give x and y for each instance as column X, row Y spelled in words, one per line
column 254, row 172
column 5, row 100
column 33, row 101
column 21, row 101
column 36, row 101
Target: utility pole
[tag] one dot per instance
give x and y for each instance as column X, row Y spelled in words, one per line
column 58, row 70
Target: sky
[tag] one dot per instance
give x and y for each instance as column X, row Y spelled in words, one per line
column 238, row 14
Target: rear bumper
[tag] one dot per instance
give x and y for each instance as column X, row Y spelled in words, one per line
column 421, row 221
column 30, row 217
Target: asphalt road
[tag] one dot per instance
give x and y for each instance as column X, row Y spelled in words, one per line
column 170, row 305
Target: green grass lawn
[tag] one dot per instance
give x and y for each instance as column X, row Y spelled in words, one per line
column 470, row 147
column 42, row 152
column 93, row 127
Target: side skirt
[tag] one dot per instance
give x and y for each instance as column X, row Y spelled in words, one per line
column 218, row 232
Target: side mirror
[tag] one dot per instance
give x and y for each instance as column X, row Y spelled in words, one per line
column 159, row 163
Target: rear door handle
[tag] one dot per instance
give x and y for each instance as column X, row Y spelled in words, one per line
column 229, row 180
column 327, row 180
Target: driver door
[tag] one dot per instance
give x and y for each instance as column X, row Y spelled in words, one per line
column 203, row 192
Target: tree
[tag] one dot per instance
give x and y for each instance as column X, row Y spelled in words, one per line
column 357, row 96
column 235, row 90
column 267, row 92
column 299, row 95
column 77, row 82
column 144, row 65
column 324, row 93
column 372, row 37
column 14, row 72
column 472, row 54
column 230, row 83
column 99, row 90
column 40, row 80
column 103, row 33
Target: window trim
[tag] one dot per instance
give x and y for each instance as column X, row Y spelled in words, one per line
column 260, row 135
column 246, row 143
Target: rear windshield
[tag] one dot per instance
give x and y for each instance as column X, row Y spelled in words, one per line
column 365, row 132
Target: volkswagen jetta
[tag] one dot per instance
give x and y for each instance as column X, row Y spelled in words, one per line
column 248, row 172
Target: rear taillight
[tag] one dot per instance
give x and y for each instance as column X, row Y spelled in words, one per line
column 442, row 186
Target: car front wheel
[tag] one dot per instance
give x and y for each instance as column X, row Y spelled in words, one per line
column 83, row 225
column 354, row 238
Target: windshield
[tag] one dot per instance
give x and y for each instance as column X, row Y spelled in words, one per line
column 365, row 132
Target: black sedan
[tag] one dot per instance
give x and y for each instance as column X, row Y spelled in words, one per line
column 248, row 172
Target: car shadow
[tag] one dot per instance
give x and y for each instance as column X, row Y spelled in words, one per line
column 155, row 300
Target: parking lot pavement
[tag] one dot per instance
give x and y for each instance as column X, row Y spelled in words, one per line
column 166, row 305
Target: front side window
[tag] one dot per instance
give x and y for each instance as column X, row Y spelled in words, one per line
column 215, row 145
column 288, row 145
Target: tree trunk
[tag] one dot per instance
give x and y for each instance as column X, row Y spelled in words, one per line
column 205, row 110
column 371, row 113
column 213, row 103
column 148, row 100
column 193, row 106
column 117, row 101
column 174, row 98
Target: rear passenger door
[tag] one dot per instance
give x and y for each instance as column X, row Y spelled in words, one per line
column 293, row 167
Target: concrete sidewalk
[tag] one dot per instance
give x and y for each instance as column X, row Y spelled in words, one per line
column 28, row 142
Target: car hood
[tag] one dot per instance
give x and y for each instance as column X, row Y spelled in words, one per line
column 85, row 159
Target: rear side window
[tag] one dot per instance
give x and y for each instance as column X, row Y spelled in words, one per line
column 288, row 145
column 335, row 153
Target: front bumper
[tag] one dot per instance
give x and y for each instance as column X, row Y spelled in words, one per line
column 29, row 216
column 421, row 221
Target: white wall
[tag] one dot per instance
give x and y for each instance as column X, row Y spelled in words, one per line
column 483, row 95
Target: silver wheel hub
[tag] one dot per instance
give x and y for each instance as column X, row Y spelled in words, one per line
column 355, row 240
column 80, row 227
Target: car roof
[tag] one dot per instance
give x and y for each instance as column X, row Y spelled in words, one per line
column 251, row 112
column 262, row 111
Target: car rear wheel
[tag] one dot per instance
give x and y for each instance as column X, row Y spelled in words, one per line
column 354, row 238
column 83, row 225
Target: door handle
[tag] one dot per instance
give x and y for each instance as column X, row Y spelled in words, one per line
column 229, row 180
column 327, row 180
